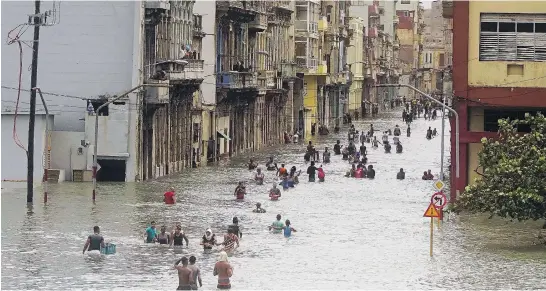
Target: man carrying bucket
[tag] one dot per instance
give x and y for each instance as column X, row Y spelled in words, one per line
column 94, row 242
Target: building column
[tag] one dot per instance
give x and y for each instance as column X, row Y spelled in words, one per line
column 290, row 107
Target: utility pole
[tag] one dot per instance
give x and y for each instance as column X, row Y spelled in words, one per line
column 32, row 116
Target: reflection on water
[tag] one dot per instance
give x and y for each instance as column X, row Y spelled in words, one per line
column 352, row 234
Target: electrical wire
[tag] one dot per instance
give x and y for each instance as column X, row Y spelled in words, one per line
column 10, row 41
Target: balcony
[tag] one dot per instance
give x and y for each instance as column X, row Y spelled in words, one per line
column 159, row 5
column 372, row 31
column 307, row 27
column 307, row 63
column 236, row 80
column 267, row 80
column 447, row 8
column 373, row 11
column 198, row 26
column 259, row 23
column 322, row 69
column 284, row 6
column 288, row 70
column 322, row 24
column 193, row 71
column 157, row 95
column 240, row 11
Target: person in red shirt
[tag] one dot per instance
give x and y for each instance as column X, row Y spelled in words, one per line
column 169, row 196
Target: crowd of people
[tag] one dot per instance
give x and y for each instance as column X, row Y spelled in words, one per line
column 286, row 177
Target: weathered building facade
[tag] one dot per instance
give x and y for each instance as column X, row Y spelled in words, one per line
column 334, row 52
column 170, row 124
column 409, row 31
column 255, row 73
column 356, row 54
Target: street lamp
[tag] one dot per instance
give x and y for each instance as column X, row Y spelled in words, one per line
column 457, row 169
column 97, row 128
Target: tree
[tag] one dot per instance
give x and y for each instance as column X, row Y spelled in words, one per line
column 513, row 181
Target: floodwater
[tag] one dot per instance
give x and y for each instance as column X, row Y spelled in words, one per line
column 352, row 234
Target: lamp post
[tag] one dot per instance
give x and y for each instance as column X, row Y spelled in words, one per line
column 97, row 128
column 457, row 169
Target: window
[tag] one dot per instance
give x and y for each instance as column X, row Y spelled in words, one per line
column 405, row 2
column 513, row 37
column 196, row 131
column 441, row 60
column 406, row 13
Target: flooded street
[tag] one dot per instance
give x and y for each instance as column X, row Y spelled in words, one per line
column 352, row 233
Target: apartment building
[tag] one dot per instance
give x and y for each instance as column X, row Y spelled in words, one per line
column 499, row 68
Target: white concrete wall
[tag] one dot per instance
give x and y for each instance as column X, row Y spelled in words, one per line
column 95, row 50
column 388, row 16
column 360, row 9
column 14, row 159
column 113, row 130
column 208, row 10
column 64, row 152
column 89, row 53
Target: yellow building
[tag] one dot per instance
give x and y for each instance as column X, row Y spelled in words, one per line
column 432, row 60
column 499, row 71
column 355, row 58
column 307, row 42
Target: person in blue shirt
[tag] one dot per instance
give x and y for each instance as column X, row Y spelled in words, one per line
column 151, row 233
column 287, row 229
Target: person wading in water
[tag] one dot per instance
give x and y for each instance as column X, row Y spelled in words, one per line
column 195, row 273
column 240, row 191
column 164, row 237
column 230, row 240
column 169, row 196
column 311, row 171
column 259, row 178
column 259, row 208
column 208, row 240
column 185, row 279
column 235, row 227
column 224, row 271
column 94, row 242
column 178, row 237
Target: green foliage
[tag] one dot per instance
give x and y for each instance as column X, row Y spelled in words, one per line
column 513, row 182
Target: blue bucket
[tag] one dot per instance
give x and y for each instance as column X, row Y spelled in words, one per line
column 109, row 249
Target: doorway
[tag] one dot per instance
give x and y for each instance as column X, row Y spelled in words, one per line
column 111, row 170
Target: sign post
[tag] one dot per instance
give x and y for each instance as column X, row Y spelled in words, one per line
column 431, row 212
column 439, row 185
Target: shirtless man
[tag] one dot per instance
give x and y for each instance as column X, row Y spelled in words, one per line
column 196, row 274
column 185, row 278
column 224, row 271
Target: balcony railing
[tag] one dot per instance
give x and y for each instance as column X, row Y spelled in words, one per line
column 236, row 80
column 288, row 70
column 267, row 79
column 226, row 4
column 193, row 70
column 284, row 5
column 306, row 26
column 305, row 62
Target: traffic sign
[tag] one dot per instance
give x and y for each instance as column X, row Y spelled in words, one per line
column 439, row 200
column 431, row 211
column 439, row 185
